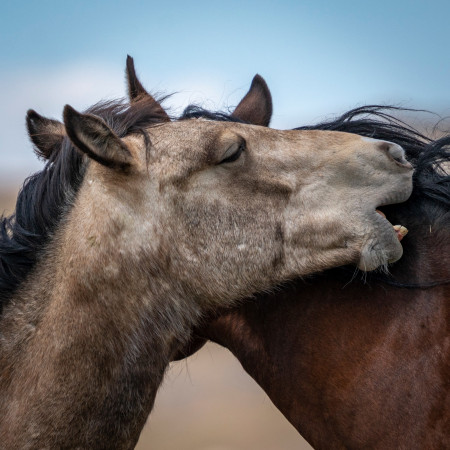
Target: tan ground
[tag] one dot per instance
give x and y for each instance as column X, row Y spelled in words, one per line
column 208, row 402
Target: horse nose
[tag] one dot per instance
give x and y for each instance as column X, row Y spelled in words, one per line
column 396, row 152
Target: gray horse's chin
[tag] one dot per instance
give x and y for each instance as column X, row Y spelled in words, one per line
column 374, row 257
column 383, row 248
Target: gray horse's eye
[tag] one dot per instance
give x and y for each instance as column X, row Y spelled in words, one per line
column 233, row 153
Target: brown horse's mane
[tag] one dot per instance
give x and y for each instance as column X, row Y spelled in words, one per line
column 46, row 197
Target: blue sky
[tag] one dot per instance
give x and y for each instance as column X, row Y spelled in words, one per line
column 318, row 57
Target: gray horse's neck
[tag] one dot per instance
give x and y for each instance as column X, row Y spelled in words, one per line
column 83, row 352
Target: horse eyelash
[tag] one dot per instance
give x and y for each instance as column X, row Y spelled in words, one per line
column 236, row 155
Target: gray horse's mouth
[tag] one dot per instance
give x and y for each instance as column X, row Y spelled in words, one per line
column 383, row 247
column 399, row 230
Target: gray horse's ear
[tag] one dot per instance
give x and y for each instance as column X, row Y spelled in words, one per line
column 135, row 88
column 256, row 106
column 92, row 136
column 46, row 134
column 137, row 92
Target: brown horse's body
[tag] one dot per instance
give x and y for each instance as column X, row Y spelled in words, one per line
column 356, row 364
column 353, row 367
column 138, row 226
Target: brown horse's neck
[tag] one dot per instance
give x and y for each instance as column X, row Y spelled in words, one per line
column 85, row 347
column 355, row 366
column 424, row 263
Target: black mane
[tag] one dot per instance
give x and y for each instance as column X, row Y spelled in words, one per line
column 197, row 112
column 47, row 196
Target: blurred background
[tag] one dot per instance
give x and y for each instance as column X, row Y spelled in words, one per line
column 319, row 58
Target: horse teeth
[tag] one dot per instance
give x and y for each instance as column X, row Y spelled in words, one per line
column 401, row 231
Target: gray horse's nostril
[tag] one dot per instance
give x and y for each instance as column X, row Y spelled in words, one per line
column 396, row 152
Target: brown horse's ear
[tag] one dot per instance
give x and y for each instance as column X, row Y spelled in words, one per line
column 256, row 106
column 92, row 136
column 46, row 134
column 137, row 92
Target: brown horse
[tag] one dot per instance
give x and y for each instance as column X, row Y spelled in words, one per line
column 138, row 226
column 362, row 363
